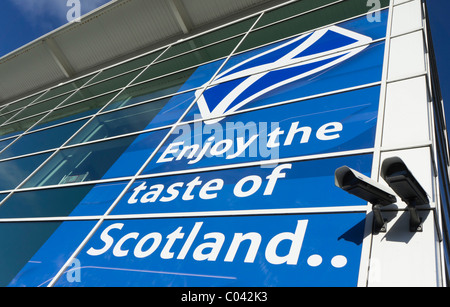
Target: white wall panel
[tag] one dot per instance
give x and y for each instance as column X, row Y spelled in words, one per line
column 407, row 17
column 406, row 113
column 407, row 56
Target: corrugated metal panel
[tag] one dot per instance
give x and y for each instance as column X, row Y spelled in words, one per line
column 130, row 26
column 203, row 12
column 32, row 68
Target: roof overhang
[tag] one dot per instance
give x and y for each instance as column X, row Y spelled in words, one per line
column 112, row 33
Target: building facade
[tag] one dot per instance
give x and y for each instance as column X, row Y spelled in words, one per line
column 211, row 160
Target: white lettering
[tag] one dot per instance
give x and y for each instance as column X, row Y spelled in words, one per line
column 267, row 142
column 273, row 136
column 329, row 128
column 166, row 253
column 170, row 150
column 210, row 249
column 213, row 185
column 297, row 241
column 117, row 251
column 273, row 178
column 189, row 241
column 203, row 151
column 107, row 239
column 156, row 237
column 133, row 198
column 227, row 144
column 214, row 246
column 152, row 196
column 210, row 190
column 241, row 146
column 173, row 192
column 190, row 187
column 255, row 239
column 255, row 186
column 294, row 130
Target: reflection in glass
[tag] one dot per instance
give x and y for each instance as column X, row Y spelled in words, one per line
column 209, row 38
column 126, row 67
column 42, row 203
column 19, row 242
column 19, row 126
column 150, row 90
column 75, row 111
column 41, row 107
column 19, row 104
column 13, row 172
column 194, row 58
column 42, row 140
column 80, row 164
column 120, row 122
column 71, row 86
column 102, row 87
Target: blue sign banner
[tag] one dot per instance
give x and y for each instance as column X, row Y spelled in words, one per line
column 296, row 250
column 335, row 123
column 288, row 185
column 298, row 67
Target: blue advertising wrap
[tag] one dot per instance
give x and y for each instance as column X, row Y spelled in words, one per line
column 306, row 104
column 335, row 123
column 285, row 186
column 296, row 250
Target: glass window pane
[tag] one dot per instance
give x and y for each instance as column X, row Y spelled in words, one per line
column 41, row 107
column 75, row 111
column 99, row 199
column 42, row 140
column 44, row 203
column 5, row 117
column 5, row 143
column 80, row 164
column 20, row 104
column 102, row 87
column 20, row 241
column 33, row 253
column 151, row 90
column 71, row 86
column 293, row 9
column 120, row 122
column 19, row 126
column 209, row 38
column 307, row 22
column 145, row 116
column 206, row 54
column 107, row 159
column 127, row 66
column 13, row 172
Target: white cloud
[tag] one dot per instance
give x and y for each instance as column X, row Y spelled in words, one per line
column 47, row 13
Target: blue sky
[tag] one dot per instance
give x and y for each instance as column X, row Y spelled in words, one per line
column 23, row 21
column 440, row 27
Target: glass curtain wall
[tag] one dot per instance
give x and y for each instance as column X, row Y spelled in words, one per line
column 72, row 156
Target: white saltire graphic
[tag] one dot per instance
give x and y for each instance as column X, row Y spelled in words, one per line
column 289, row 60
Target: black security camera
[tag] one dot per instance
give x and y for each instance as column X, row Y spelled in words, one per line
column 363, row 187
column 403, row 182
column 367, row 189
column 395, row 172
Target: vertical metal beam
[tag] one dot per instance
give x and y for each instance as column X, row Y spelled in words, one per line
column 59, row 57
column 181, row 15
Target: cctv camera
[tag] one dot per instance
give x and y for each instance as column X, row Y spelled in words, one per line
column 403, row 182
column 363, row 187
